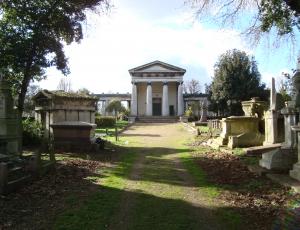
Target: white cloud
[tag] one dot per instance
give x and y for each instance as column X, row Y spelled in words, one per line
column 123, row 40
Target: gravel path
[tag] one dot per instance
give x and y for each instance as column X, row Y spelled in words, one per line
column 160, row 193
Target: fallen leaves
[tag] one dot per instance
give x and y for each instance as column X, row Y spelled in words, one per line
column 258, row 200
column 38, row 202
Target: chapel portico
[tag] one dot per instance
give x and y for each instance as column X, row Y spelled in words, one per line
column 157, row 90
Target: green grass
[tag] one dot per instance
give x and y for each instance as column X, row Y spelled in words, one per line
column 209, row 189
column 96, row 212
column 111, row 130
column 230, row 218
column 158, row 196
column 204, row 129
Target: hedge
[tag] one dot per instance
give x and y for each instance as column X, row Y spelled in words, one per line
column 105, row 121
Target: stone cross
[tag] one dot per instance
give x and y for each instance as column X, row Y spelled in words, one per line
column 273, row 96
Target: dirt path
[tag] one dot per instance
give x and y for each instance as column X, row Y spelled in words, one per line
column 160, row 193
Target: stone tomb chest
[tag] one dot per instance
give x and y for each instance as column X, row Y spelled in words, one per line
column 241, row 131
column 73, row 135
column 53, row 107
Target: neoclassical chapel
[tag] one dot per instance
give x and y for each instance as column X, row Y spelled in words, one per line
column 157, row 90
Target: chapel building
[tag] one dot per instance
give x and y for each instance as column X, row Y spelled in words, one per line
column 157, row 90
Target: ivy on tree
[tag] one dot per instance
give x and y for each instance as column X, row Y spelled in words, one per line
column 33, row 34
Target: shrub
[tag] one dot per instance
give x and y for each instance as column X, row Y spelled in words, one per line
column 32, row 132
column 105, row 121
column 124, row 115
column 189, row 112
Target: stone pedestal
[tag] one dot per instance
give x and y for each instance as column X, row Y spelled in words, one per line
column 283, row 158
column 295, row 172
column 271, row 117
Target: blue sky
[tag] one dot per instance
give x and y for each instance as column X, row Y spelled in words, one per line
column 137, row 32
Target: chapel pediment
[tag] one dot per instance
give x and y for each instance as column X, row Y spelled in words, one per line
column 157, row 67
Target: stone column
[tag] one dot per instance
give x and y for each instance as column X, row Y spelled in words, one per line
column 180, row 107
column 149, row 100
column 103, row 107
column 133, row 111
column 271, row 117
column 128, row 105
column 165, row 101
column 273, row 101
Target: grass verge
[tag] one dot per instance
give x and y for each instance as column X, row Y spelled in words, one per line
column 230, row 218
column 110, row 131
column 96, row 212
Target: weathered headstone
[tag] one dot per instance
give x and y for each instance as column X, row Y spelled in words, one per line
column 271, row 118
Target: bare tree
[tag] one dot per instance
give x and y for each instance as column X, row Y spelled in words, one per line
column 280, row 16
column 65, row 85
column 192, row 86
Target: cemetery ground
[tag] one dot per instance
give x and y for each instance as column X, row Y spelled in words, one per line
column 157, row 176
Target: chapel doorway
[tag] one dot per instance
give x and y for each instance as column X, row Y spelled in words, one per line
column 156, row 105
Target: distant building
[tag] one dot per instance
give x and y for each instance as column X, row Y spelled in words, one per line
column 58, row 106
column 157, row 90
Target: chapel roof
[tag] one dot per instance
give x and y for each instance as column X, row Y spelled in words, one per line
column 157, row 67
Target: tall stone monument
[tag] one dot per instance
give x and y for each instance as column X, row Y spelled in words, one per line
column 9, row 122
column 295, row 172
column 271, row 118
column 204, row 105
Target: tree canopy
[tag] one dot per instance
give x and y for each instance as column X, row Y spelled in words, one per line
column 33, row 34
column 236, row 78
column 115, row 106
column 281, row 15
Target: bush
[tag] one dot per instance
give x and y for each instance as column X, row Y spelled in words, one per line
column 189, row 112
column 124, row 115
column 32, row 132
column 105, row 121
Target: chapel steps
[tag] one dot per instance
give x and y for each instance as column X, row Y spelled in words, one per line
column 157, row 119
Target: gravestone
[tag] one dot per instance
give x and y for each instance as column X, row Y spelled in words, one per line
column 9, row 122
column 284, row 157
